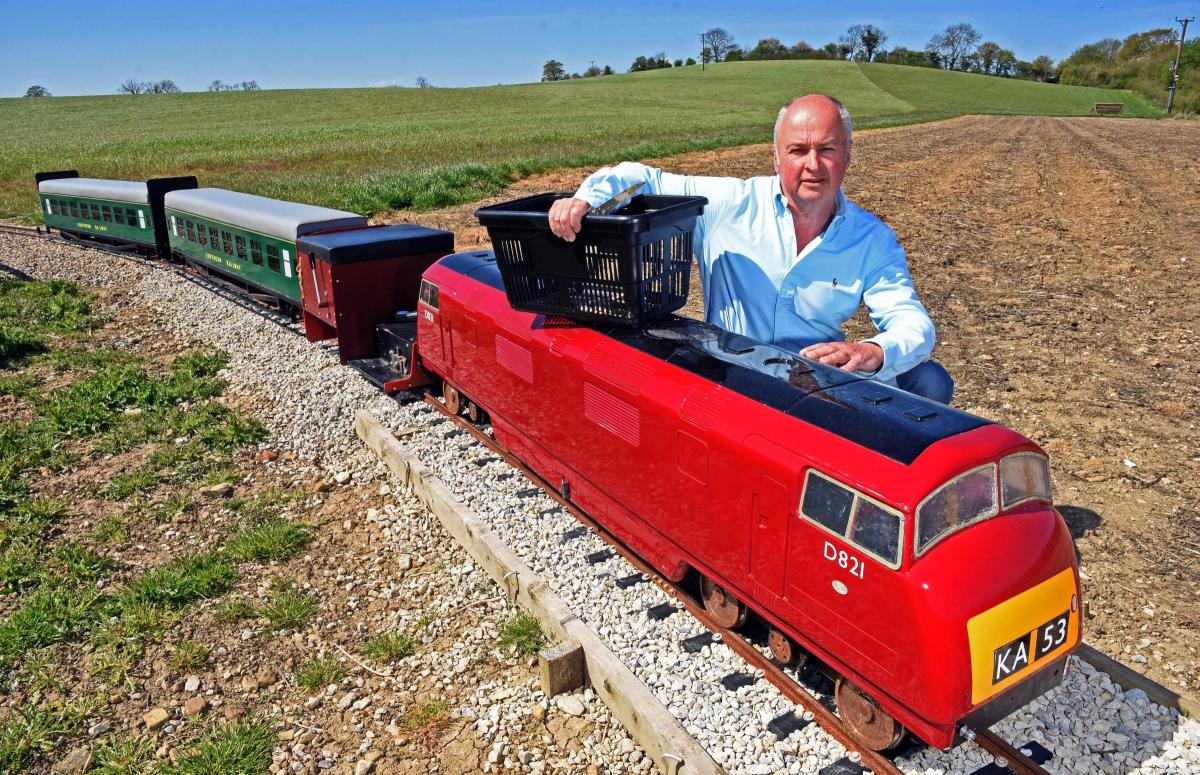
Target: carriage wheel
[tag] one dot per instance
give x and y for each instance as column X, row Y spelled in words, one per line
column 865, row 720
column 784, row 650
column 452, row 398
column 725, row 609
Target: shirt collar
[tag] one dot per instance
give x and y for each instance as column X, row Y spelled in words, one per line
column 839, row 206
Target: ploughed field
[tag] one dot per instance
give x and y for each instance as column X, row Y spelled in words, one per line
column 1057, row 257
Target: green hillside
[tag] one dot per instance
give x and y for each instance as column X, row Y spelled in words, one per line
column 371, row 149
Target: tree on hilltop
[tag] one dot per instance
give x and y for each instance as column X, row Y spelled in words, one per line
column 553, row 70
column 1042, row 68
column 953, row 44
column 850, row 43
column 37, row 91
column 718, row 42
column 871, row 39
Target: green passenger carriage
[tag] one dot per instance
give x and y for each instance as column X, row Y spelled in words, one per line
column 124, row 213
column 246, row 238
column 116, row 209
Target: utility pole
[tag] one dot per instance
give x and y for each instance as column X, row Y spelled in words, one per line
column 701, row 36
column 1178, row 61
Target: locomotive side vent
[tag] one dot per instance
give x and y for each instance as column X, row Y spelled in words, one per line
column 701, row 407
column 611, row 413
column 515, row 358
column 607, row 362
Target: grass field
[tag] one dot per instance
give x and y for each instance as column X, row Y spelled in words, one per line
column 368, row 150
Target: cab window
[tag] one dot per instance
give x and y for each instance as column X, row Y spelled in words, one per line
column 429, row 293
column 871, row 526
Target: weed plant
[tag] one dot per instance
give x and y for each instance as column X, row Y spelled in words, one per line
column 389, row 647
column 319, row 672
column 236, row 748
column 523, row 633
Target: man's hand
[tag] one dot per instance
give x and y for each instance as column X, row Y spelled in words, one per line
column 566, row 217
column 849, row 356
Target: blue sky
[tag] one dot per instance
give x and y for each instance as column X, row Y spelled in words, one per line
column 74, row 48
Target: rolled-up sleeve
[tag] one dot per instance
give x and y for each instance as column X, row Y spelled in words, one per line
column 906, row 333
column 607, row 182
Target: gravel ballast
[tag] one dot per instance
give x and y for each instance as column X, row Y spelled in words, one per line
column 308, row 401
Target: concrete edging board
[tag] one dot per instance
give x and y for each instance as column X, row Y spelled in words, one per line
column 659, row 733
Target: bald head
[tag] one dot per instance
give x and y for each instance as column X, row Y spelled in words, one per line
column 815, row 108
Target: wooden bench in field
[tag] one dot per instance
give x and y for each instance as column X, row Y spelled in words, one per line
column 1108, row 108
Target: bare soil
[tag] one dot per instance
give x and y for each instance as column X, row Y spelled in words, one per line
column 1057, row 257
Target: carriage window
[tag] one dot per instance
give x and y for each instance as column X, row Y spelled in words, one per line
column 273, row 258
column 429, row 293
column 119, row 215
column 74, row 209
column 191, row 230
column 877, row 530
column 827, row 503
column 256, row 251
column 107, row 213
column 241, row 247
column 95, row 212
column 131, row 216
column 214, row 238
column 54, row 207
column 227, row 242
column 201, row 234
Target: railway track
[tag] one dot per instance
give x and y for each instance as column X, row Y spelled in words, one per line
column 1008, row 758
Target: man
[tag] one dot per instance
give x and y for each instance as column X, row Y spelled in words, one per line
column 787, row 259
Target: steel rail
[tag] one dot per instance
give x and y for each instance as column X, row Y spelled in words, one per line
column 876, row 762
column 1011, row 755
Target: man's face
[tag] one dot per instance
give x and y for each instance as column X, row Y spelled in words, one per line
column 811, row 155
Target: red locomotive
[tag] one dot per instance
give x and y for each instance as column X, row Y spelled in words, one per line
column 910, row 546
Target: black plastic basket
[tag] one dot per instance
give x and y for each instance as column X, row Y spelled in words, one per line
column 625, row 268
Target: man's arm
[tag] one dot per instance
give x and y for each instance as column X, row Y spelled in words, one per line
column 906, row 333
column 566, row 215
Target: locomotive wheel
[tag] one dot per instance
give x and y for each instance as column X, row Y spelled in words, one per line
column 474, row 413
column 784, row 650
column 452, row 398
column 865, row 720
column 726, row 610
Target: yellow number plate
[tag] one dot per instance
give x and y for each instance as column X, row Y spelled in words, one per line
column 1022, row 632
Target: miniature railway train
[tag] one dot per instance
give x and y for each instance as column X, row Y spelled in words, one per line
column 911, row 548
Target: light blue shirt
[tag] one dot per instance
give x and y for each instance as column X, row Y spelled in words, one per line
column 757, row 283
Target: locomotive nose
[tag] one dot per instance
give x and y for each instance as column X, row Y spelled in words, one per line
column 1006, row 594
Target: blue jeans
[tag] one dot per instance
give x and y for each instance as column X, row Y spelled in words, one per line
column 928, row 380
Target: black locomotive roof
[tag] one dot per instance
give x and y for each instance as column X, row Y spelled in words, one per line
column 880, row 417
column 344, row 247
